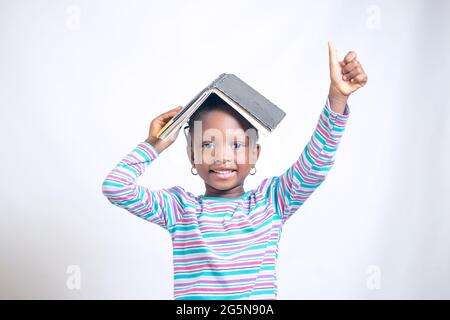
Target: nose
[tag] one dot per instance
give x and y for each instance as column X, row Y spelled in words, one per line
column 223, row 157
column 218, row 161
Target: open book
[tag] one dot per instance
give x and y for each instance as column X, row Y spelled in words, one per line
column 258, row 110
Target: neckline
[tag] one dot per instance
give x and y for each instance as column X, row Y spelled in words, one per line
column 223, row 198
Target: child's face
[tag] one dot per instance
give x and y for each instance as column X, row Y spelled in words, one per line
column 223, row 151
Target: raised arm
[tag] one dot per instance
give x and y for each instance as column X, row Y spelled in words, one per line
column 292, row 188
column 120, row 187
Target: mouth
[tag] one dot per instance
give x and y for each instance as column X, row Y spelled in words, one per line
column 223, row 174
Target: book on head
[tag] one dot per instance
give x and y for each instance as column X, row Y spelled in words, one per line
column 254, row 107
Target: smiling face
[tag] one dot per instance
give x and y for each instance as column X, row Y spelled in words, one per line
column 224, row 150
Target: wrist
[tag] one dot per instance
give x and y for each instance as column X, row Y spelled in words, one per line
column 338, row 101
column 154, row 144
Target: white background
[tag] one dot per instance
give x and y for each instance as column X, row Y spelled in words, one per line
column 80, row 82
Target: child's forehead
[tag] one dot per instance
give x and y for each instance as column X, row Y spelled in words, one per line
column 223, row 133
column 221, row 124
column 220, row 119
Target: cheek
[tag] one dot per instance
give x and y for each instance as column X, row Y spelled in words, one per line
column 203, row 170
column 240, row 157
column 202, row 158
column 243, row 157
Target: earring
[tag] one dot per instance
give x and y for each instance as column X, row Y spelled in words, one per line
column 254, row 172
column 196, row 173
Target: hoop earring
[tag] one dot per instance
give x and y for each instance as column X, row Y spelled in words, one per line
column 253, row 172
column 196, row 172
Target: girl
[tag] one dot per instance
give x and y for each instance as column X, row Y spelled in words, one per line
column 225, row 242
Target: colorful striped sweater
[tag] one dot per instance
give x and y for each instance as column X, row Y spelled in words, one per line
column 227, row 248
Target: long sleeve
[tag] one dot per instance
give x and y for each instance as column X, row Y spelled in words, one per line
column 292, row 188
column 162, row 207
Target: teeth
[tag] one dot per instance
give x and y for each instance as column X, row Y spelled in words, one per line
column 223, row 174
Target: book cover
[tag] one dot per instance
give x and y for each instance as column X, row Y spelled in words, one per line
column 252, row 105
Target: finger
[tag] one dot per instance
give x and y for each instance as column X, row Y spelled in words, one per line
column 350, row 56
column 174, row 110
column 360, row 78
column 353, row 73
column 332, row 54
column 170, row 113
column 350, row 66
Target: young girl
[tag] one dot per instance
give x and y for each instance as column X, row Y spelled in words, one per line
column 225, row 242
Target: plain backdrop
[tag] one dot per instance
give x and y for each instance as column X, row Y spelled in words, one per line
column 80, row 82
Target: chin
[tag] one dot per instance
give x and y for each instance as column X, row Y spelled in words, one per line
column 222, row 185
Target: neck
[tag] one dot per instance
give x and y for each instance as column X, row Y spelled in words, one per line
column 234, row 192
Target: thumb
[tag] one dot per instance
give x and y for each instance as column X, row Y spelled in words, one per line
column 332, row 53
column 335, row 66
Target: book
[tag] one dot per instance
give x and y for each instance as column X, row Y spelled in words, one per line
column 253, row 106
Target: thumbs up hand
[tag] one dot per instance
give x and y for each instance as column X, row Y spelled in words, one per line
column 346, row 76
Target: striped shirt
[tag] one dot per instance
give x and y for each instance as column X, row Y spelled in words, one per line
column 227, row 248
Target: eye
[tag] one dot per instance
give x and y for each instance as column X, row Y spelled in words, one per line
column 208, row 145
column 238, row 145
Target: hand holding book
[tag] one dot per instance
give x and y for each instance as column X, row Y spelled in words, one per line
column 156, row 125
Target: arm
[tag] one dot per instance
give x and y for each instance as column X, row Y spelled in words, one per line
column 163, row 207
column 292, row 188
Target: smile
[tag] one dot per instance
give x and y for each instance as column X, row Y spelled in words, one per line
column 223, row 174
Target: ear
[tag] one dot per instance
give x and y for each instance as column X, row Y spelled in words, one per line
column 190, row 154
column 256, row 151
